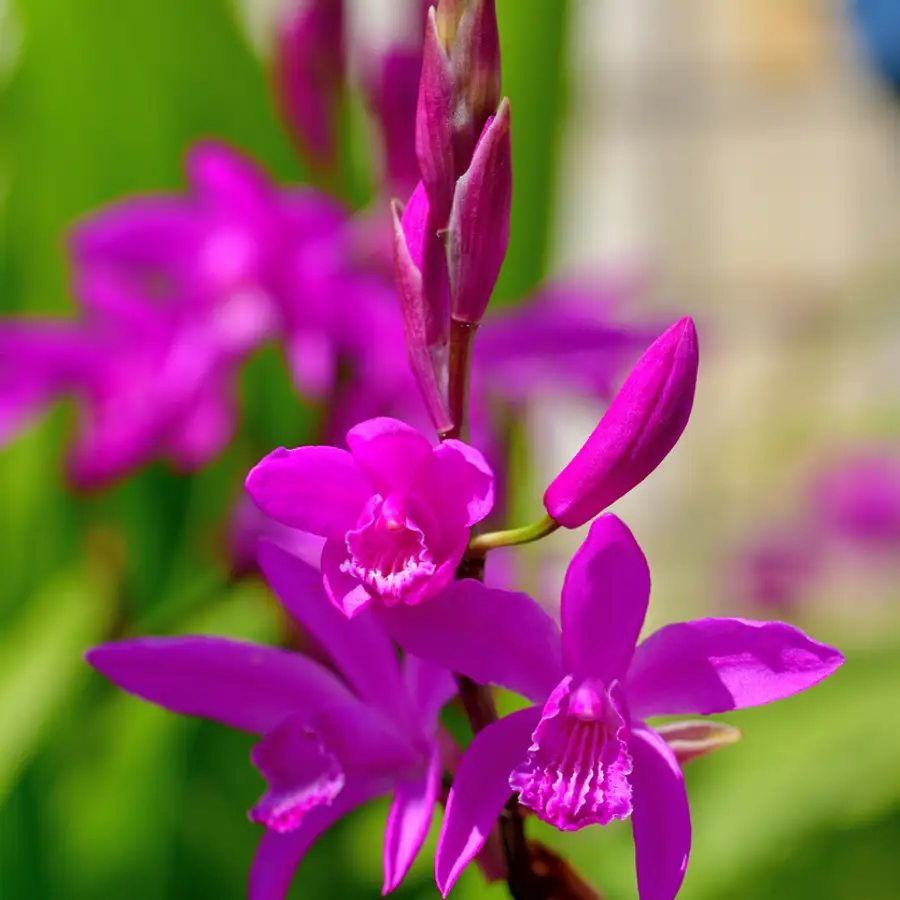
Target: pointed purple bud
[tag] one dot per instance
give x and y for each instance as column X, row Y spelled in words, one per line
column 458, row 92
column 434, row 123
column 697, row 737
column 478, row 232
column 426, row 342
column 476, row 59
column 309, row 76
column 641, row 426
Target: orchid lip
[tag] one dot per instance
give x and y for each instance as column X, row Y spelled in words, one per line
column 577, row 768
column 388, row 550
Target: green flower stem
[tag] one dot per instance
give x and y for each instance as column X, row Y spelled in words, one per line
column 482, row 543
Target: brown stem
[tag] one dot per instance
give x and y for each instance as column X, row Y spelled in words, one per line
column 462, row 335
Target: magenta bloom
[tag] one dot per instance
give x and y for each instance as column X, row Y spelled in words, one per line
column 584, row 755
column 396, row 511
column 858, row 499
column 330, row 742
column 641, row 426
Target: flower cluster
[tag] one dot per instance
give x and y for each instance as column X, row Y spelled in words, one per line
column 391, row 525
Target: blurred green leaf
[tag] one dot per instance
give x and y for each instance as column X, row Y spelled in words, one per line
column 533, row 43
column 41, row 662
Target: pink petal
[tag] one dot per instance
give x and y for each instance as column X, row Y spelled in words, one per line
column 245, row 686
column 316, row 489
column 493, row 637
column 430, row 687
column 604, row 601
column 480, row 791
column 141, row 232
column 306, row 760
column 661, row 817
column 362, row 651
column 388, row 451
column 713, row 665
column 278, row 855
column 343, row 590
column 205, row 431
column 458, row 483
column 408, row 822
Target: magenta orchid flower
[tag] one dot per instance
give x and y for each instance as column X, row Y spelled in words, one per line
column 330, row 742
column 584, row 754
column 395, row 510
column 238, row 255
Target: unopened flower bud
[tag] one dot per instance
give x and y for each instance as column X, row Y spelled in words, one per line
column 309, row 76
column 434, row 123
column 476, row 59
column 697, row 737
column 641, row 426
column 458, row 92
column 478, row 232
column 424, row 324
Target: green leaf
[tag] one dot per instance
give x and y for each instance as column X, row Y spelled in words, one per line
column 41, row 664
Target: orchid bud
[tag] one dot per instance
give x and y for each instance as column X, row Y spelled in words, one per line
column 434, row 123
column 476, row 59
column 458, row 92
column 690, row 739
column 426, row 340
column 641, row 426
column 309, row 75
column 478, row 232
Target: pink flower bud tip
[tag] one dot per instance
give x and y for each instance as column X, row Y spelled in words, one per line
column 643, row 423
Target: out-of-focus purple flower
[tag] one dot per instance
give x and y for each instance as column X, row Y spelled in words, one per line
column 393, row 92
column 584, row 755
column 249, row 526
column 776, row 570
column 309, row 76
column 641, row 426
column 857, row 500
column 39, row 360
column 329, row 742
column 237, row 255
column 396, row 511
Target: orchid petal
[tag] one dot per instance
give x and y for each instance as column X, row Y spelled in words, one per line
column 388, row 451
column 458, row 481
column 661, row 818
column 493, row 637
column 430, row 687
column 204, row 432
column 346, row 592
column 604, row 601
column 306, row 760
column 245, row 686
column 714, row 665
column 408, row 822
column 317, row 489
column 278, row 855
column 361, row 650
column 143, row 232
column 480, row 791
